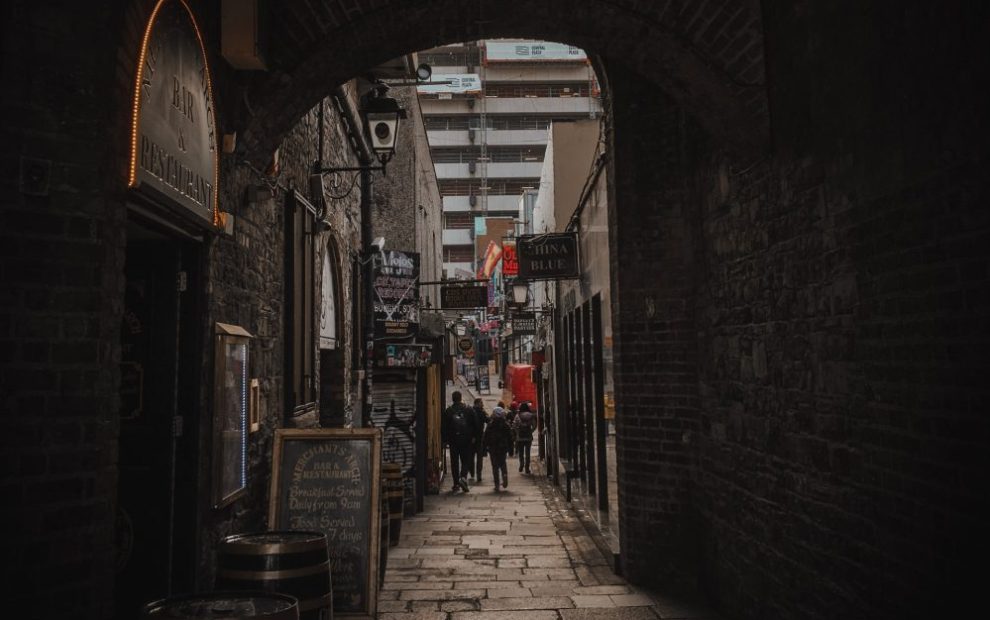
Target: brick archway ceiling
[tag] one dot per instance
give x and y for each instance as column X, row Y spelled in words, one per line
column 706, row 55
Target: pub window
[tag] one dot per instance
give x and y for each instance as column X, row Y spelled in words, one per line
column 300, row 334
column 329, row 333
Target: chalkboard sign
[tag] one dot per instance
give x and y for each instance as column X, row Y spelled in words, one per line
column 328, row 480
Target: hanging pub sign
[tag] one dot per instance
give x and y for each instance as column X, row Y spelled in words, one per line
column 524, row 324
column 551, row 256
column 396, row 294
column 465, row 297
column 173, row 127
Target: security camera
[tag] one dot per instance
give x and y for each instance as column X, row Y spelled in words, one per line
column 378, row 244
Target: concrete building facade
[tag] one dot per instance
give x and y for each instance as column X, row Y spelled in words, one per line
column 488, row 128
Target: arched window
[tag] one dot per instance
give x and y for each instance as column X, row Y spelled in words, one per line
column 328, row 309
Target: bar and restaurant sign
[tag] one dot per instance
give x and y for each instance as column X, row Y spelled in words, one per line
column 551, row 256
column 397, row 295
column 173, row 128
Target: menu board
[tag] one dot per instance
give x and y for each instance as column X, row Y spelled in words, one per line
column 328, row 480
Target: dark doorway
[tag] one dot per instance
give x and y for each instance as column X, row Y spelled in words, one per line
column 156, row 516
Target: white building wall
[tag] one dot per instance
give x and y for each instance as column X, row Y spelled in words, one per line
column 467, row 105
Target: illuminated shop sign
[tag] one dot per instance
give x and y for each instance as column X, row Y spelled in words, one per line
column 173, row 125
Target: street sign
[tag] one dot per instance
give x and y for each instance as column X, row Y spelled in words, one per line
column 465, row 297
column 551, row 256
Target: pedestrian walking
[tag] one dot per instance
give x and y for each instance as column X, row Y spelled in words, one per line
column 496, row 442
column 510, row 417
column 480, row 421
column 457, row 431
column 523, row 426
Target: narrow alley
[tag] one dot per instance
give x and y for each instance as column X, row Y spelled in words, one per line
column 521, row 553
column 516, row 554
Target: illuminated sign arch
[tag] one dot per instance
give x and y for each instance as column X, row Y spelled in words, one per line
column 174, row 154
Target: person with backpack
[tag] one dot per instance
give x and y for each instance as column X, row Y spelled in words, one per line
column 457, row 431
column 510, row 417
column 523, row 425
column 480, row 420
column 496, row 441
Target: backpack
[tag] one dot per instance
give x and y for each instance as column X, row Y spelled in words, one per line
column 524, row 429
column 498, row 436
column 459, row 423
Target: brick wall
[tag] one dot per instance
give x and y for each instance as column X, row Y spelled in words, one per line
column 808, row 446
column 60, row 292
column 653, row 321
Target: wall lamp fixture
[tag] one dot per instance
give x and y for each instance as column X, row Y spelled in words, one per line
column 381, row 125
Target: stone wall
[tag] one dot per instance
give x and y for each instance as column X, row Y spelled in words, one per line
column 246, row 287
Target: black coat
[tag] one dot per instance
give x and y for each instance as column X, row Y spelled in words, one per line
column 498, row 435
column 480, row 420
column 455, row 434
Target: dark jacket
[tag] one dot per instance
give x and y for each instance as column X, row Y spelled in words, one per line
column 480, row 420
column 458, row 425
column 498, row 436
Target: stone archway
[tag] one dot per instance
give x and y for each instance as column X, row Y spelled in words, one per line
column 709, row 59
column 684, row 70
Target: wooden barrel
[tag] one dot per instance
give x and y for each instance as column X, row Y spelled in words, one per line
column 231, row 605
column 291, row 562
column 394, row 487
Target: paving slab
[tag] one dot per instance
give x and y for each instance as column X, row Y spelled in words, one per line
column 516, row 555
column 624, row 613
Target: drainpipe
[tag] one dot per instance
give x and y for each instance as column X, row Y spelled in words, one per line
column 366, row 157
column 369, row 293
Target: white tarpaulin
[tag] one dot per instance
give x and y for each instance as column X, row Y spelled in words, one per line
column 459, row 83
column 531, row 50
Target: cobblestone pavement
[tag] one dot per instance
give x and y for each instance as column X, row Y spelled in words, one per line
column 516, row 554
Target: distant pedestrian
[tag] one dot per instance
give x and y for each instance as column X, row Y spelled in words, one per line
column 523, row 426
column 497, row 440
column 480, row 420
column 457, row 431
column 510, row 417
